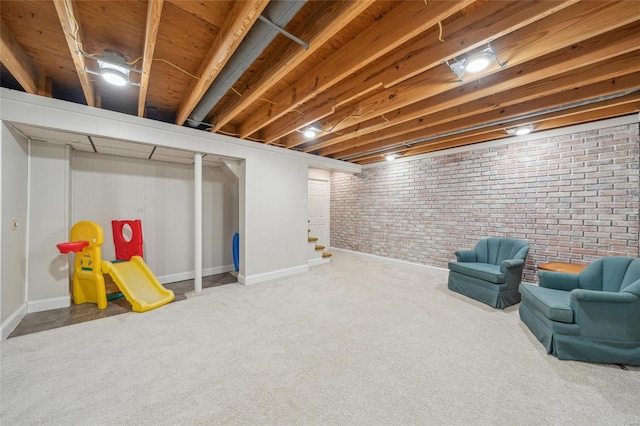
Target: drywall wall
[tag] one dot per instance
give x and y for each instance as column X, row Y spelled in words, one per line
column 572, row 193
column 14, row 210
column 272, row 241
column 160, row 194
column 276, row 215
column 319, row 174
column 48, row 226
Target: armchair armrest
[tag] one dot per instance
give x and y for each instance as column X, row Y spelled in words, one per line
column 466, row 255
column 602, row 296
column 633, row 288
column 606, row 315
column 558, row 280
column 511, row 263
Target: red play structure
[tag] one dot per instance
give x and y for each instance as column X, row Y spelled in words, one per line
column 133, row 247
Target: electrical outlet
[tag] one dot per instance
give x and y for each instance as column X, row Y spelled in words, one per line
column 139, row 210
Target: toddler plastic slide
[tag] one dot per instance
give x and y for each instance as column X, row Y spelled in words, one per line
column 138, row 284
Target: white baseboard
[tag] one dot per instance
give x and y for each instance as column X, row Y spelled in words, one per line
column 318, row 261
column 48, row 304
column 12, row 322
column 280, row 273
column 392, row 261
column 189, row 275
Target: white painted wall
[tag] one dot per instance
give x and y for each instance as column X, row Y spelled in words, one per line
column 272, row 181
column 276, row 216
column 13, row 160
column 48, row 226
column 319, row 174
column 161, row 194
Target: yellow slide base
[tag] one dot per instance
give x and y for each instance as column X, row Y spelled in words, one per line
column 138, row 284
column 88, row 287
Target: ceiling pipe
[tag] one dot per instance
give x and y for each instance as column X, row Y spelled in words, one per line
column 278, row 12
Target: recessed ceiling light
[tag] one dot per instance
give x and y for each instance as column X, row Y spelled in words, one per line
column 521, row 130
column 391, row 157
column 475, row 62
column 115, row 77
column 478, row 62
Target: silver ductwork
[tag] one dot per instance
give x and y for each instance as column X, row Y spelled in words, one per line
column 280, row 13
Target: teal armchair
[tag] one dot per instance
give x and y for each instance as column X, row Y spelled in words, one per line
column 491, row 272
column 591, row 316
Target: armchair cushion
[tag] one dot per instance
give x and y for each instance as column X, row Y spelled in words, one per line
column 554, row 304
column 483, row 271
column 490, row 272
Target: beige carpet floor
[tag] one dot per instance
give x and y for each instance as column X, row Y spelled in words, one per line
column 357, row 341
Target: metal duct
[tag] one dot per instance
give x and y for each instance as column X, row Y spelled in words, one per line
column 279, row 12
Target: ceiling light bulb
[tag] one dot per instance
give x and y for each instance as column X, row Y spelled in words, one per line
column 520, row 131
column 478, row 63
column 390, row 157
column 114, row 77
column 309, row 133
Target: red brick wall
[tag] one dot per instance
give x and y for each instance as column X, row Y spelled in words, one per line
column 574, row 198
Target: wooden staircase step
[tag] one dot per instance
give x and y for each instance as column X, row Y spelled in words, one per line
column 325, row 255
column 312, row 239
column 319, row 247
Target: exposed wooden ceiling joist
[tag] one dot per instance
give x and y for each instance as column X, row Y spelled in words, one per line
column 321, row 30
column 243, row 15
column 18, row 62
column 402, row 23
column 73, row 34
column 560, row 55
column 489, row 21
column 564, row 84
column 154, row 11
column 374, row 77
column 444, row 122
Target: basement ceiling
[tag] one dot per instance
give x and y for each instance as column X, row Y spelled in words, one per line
column 373, row 77
column 111, row 146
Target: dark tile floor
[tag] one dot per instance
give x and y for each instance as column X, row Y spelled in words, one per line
column 74, row 314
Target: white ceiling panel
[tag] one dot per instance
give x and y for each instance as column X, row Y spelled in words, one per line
column 123, row 152
column 120, row 144
column 48, row 135
column 211, row 160
column 168, row 152
column 172, row 159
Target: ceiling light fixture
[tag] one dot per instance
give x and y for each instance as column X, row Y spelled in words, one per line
column 521, row 130
column 391, row 157
column 114, row 68
column 475, row 63
column 313, row 130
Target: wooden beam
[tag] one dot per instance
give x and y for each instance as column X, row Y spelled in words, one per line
column 488, row 21
column 600, row 111
column 603, row 78
column 402, row 23
column 321, row 30
column 45, row 86
column 154, row 11
column 242, row 17
column 532, row 109
column 450, row 93
column 66, row 10
column 18, row 62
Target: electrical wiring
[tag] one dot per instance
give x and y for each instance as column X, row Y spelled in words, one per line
column 75, row 32
column 260, row 99
column 426, row 3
